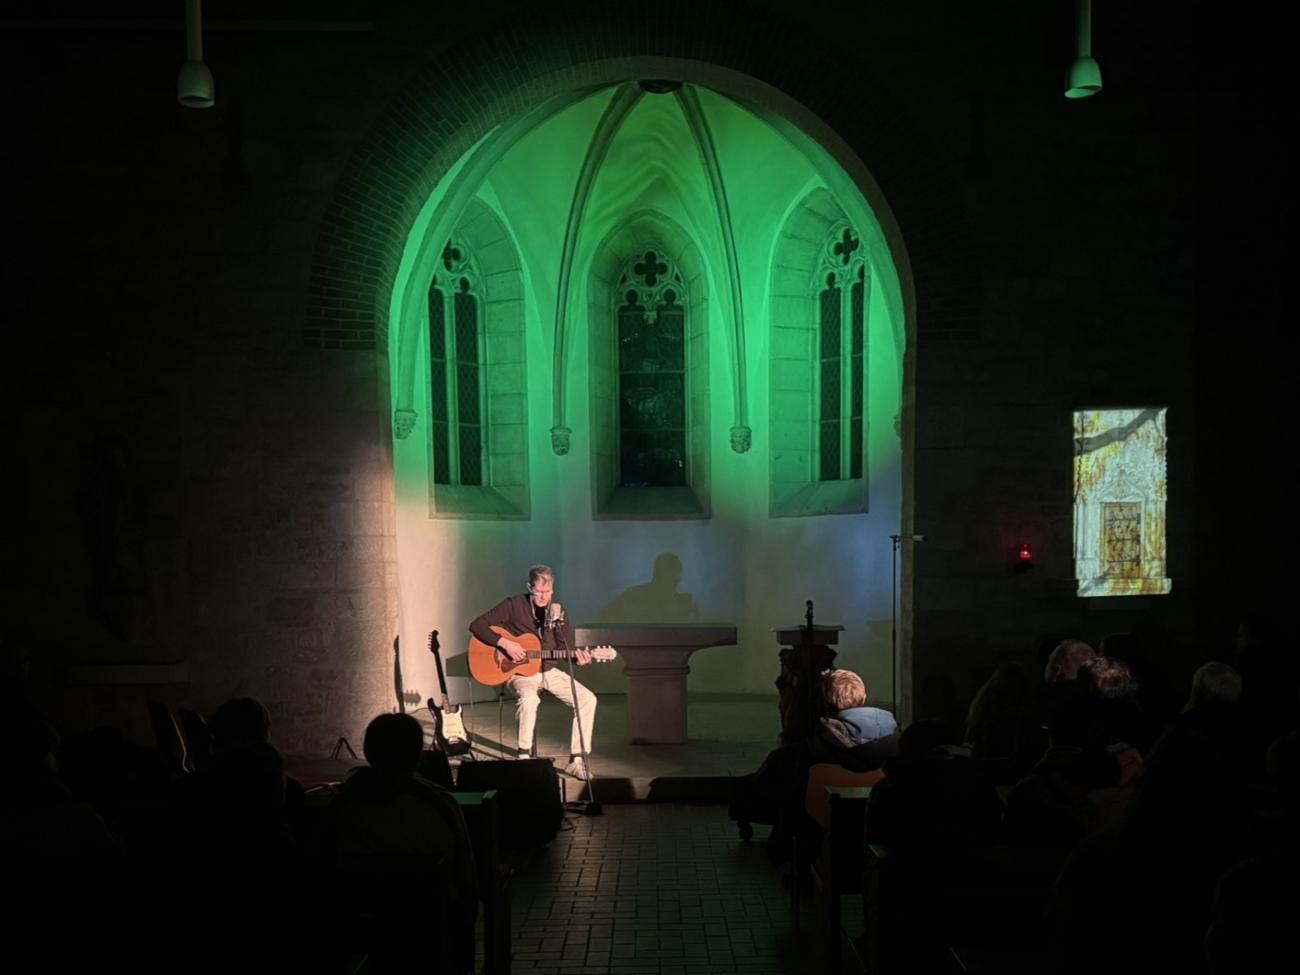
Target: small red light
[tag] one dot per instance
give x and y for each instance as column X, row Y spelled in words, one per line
column 1025, row 554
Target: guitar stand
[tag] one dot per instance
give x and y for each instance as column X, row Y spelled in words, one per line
column 341, row 744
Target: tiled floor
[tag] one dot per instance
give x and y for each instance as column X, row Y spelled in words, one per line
column 652, row 888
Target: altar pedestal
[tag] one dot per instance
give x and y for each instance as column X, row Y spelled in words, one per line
column 655, row 663
column 805, row 653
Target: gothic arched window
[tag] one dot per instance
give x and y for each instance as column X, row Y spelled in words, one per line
column 820, row 361
column 456, row 371
column 652, row 422
column 841, row 340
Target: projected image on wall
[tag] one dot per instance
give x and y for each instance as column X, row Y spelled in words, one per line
column 1120, row 494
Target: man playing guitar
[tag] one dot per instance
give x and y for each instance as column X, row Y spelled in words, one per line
column 535, row 613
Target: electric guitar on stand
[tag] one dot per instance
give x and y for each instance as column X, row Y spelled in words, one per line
column 448, row 725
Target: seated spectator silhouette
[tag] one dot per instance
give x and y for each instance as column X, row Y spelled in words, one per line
column 15, row 666
column 1151, row 691
column 1083, row 783
column 1112, row 686
column 937, row 816
column 42, row 820
column 1002, row 726
column 52, row 839
column 857, row 737
column 405, row 838
column 1148, row 880
column 236, row 802
column 933, row 803
column 1276, row 823
column 1212, row 709
column 1064, row 662
column 1269, row 679
column 1252, row 923
column 1061, row 677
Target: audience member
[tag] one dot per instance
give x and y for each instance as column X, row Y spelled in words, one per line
column 1270, row 675
column 1212, row 709
column 237, row 803
column 1110, row 682
column 933, row 802
column 405, row 838
column 858, row 737
column 1002, row 726
column 1252, row 925
column 1083, row 783
column 1148, row 881
column 1277, row 822
column 1064, row 662
column 54, row 840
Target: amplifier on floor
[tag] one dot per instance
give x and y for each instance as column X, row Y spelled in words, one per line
column 528, row 793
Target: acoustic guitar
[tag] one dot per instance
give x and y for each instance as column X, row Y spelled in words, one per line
column 491, row 666
column 448, row 725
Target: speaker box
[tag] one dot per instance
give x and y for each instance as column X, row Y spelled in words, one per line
column 528, row 793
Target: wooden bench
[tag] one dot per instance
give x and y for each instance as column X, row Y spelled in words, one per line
column 837, row 871
column 482, row 818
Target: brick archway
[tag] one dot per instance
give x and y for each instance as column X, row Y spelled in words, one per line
column 539, row 53
column 805, row 87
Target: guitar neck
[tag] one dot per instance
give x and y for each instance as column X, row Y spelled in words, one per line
column 552, row 654
column 434, row 649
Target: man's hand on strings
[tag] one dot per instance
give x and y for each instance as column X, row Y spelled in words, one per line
column 512, row 649
column 582, row 656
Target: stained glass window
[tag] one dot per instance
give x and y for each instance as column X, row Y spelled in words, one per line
column 438, row 381
column 651, row 318
column 829, row 374
column 841, row 356
column 455, row 371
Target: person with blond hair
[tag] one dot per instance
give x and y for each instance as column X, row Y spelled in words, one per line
column 844, row 689
column 857, row 737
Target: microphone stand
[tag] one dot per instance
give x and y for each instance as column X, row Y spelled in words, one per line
column 895, row 540
column 591, row 807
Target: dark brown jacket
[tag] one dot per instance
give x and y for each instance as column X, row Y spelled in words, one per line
column 516, row 614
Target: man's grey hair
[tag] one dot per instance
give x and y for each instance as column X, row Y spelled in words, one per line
column 1214, row 683
column 539, row 572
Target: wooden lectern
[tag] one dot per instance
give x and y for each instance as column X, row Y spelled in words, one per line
column 805, row 653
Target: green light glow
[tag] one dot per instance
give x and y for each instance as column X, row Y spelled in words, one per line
column 453, row 563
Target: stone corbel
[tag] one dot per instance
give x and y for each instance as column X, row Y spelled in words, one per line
column 742, row 438
column 403, row 422
column 560, row 440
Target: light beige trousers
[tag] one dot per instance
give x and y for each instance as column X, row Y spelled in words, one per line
column 527, row 692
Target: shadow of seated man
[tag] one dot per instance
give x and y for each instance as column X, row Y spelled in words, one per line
column 400, row 856
column 656, row 601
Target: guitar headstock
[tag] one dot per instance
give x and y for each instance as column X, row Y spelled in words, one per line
column 603, row 653
column 433, row 641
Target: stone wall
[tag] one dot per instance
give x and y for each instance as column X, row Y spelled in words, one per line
column 199, row 442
